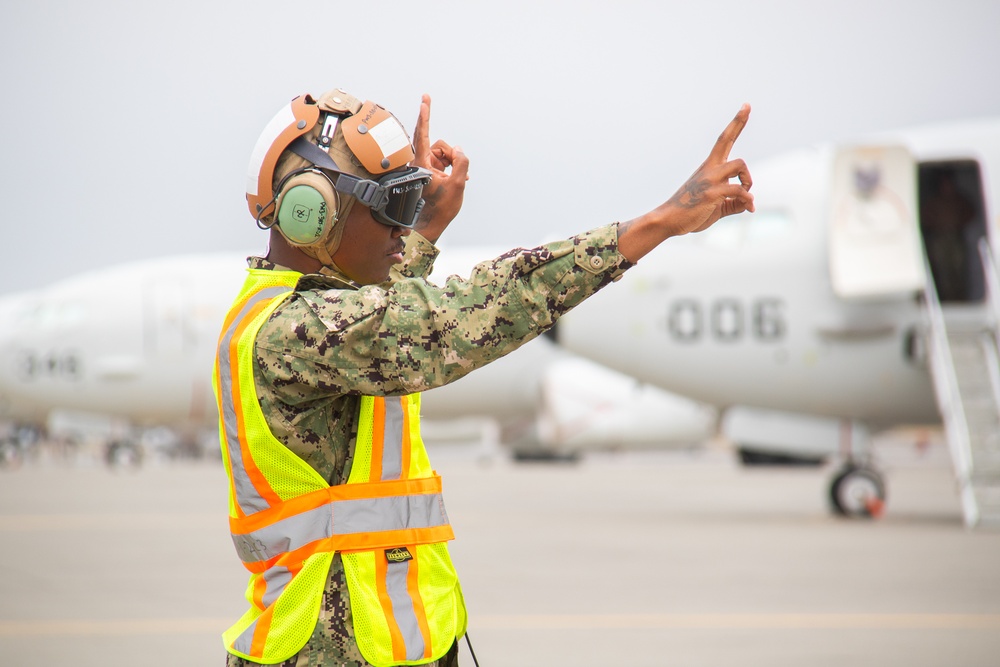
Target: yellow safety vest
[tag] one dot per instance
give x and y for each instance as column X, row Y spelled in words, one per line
column 388, row 522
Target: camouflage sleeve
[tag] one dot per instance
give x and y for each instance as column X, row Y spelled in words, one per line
column 418, row 258
column 413, row 336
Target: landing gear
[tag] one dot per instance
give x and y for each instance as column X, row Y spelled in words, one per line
column 857, row 491
column 123, row 454
column 10, row 454
column 17, row 444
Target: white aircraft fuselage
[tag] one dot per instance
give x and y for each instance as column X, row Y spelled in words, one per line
column 134, row 341
column 747, row 312
column 135, row 344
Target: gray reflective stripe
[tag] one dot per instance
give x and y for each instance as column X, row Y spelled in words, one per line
column 277, row 578
column 341, row 517
column 392, row 440
column 372, row 515
column 286, row 535
column 402, row 609
column 245, row 640
column 247, row 497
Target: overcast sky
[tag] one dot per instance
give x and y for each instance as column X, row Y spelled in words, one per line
column 128, row 125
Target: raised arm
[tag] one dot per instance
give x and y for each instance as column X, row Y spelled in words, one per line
column 707, row 196
column 443, row 197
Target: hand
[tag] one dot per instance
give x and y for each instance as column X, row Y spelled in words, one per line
column 443, row 196
column 706, row 197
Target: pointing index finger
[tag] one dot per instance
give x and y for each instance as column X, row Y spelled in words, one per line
column 421, row 134
column 720, row 152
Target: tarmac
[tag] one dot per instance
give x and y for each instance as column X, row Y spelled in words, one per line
column 641, row 559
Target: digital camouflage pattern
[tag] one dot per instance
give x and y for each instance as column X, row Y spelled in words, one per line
column 330, row 343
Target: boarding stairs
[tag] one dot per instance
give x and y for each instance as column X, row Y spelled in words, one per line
column 965, row 364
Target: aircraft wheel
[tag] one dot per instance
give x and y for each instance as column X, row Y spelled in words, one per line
column 123, row 454
column 858, row 492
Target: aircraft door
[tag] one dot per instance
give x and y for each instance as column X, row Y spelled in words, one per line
column 875, row 246
column 952, row 221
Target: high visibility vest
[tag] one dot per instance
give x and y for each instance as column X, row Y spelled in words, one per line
column 388, row 522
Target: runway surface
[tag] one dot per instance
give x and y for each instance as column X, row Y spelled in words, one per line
column 670, row 558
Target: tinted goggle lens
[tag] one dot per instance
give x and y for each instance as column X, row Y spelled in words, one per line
column 403, row 199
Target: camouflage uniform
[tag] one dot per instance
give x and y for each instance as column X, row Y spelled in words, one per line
column 331, row 342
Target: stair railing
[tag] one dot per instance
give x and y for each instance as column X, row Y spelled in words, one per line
column 949, row 399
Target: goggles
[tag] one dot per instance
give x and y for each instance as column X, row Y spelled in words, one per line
column 395, row 199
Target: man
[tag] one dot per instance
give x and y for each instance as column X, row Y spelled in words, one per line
column 334, row 507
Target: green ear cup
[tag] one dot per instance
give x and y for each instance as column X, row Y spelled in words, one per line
column 302, row 215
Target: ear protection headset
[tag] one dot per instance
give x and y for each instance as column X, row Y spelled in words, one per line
column 306, row 206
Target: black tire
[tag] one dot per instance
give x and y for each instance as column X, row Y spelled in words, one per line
column 857, row 492
column 123, row 454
